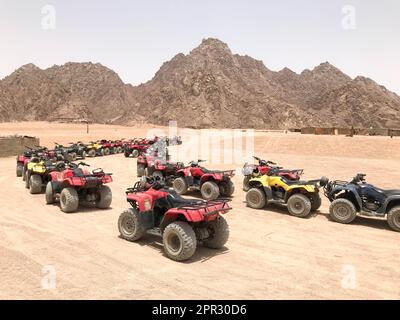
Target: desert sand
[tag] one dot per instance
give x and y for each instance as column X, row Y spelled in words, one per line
column 270, row 254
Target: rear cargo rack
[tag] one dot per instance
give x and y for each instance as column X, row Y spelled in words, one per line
column 206, row 205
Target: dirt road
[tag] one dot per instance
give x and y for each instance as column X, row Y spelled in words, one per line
column 270, row 255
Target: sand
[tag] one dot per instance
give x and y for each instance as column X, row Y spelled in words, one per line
column 270, row 254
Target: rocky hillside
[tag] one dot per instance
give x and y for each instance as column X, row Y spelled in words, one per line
column 209, row 87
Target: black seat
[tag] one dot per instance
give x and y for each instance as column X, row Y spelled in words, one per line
column 78, row 172
column 210, row 171
column 177, row 201
column 389, row 193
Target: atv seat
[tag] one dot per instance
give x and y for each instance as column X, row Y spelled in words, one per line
column 210, row 171
column 176, row 200
column 78, row 172
column 299, row 182
column 389, row 193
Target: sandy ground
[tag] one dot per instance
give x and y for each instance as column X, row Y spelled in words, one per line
column 270, row 255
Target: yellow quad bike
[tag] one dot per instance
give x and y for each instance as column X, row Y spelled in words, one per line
column 94, row 148
column 300, row 197
column 37, row 173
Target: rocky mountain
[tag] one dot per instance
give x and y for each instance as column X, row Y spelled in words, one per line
column 209, row 87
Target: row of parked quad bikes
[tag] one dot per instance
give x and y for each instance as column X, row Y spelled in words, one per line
column 158, row 209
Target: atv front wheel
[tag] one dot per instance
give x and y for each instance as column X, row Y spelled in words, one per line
column 126, row 154
column 69, row 200
column 83, row 155
column 209, row 190
column 342, row 210
column 180, row 185
column 140, row 170
column 50, row 198
column 393, row 218
column 106, row 151
column 129, row 225
column 35, row 184
column 226, row 188
column 255, row 198
column 179, row 241
column 135, row 153
column 119, row 149
column 315, row 201
column 19, row 169
column 299, row 205
column 92, row 153
column 73, row 156
column 23, row 173
column 219, row 231
column 105, row 197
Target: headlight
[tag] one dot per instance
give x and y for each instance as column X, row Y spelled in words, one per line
column 147, row 204
column 247, row 170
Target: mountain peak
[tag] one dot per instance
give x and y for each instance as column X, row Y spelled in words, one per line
column 212, row 45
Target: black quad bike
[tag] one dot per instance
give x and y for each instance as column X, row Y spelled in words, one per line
column 349, row 199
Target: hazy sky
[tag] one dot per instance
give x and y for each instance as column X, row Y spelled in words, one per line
column 135, row 37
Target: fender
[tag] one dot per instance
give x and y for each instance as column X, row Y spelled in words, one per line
column 389, row 200
column 348, row 188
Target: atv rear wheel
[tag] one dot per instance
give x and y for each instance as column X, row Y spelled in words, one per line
column 226, row 188
column 129, row 225
column 92, row 153
column 393, row 218
column 179, row 241
column 50, row 198
column 19, row 170
column 69, row 200
column 73, row 156
column 35, row 184
column 105, row 197
column 106, row 151
column 219, row 231
column 246, row 185
column 119, row 149
column 209, row 190
column 135, row 153
column 23, row 173
column 255, row 198
column 299, row 205
column 180, row 185
column 315, row 201
column 83, row 155
column 342, row 210
column 127, row 154
column 140, row 170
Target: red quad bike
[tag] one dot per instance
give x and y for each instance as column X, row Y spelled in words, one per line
column 181, row 223
column 264, row 167
column 211, row 183
column 74, row 184
column 108, row 147
column 119, row 145
column 153, row 166
column 136, row 147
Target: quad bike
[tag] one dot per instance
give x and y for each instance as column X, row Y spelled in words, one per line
column 263, row 167
column 76, row 150
column 108, row 146
column 64, row 152
column 211, row 183
column 349, row 199
column 119, row 145
column 37, row 173
column 41, row 153
column 136, row 147
column 153, row 166
column 300, row 197
column 94, row 149
column 181, row 223
column 72, row 185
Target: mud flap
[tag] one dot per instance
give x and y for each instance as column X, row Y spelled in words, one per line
column 147, row 219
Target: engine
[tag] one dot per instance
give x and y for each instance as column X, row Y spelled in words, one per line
column 370, row 204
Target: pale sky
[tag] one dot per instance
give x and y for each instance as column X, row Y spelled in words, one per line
column 135, row 37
